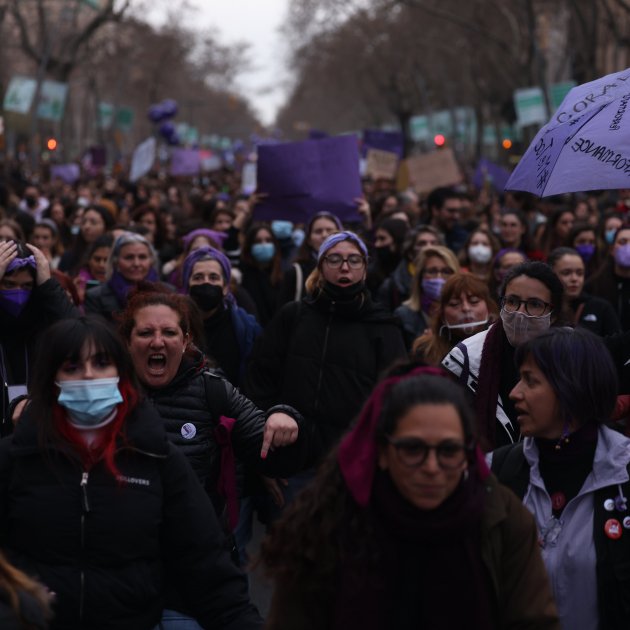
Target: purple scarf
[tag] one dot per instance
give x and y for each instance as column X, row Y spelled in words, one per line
column 121, row 286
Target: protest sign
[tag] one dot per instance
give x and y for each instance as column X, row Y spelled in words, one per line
column 431, row 170
column 303, row 178
column 185, row 162
column 381, row 164
column 391, row 141
column 68, row 173
column 210, row 161
column 248, row 178
column 142, row 160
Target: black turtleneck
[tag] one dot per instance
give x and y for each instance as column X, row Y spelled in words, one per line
column 565, row 465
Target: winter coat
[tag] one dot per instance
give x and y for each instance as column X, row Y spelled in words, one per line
column 414, row 323
column 323, row 358
column 104, row 545
column 464, row 361
column 518, row 581
column 396, row 288
column 30, row 610
column 606, row 284
column 191, row 406
column 19, row 335
column 596, row 315
column 102, row 300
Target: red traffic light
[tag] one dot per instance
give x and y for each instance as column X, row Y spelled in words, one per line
column 51, row 144
column 439, row 140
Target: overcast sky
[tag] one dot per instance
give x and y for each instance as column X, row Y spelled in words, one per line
column 255, row 22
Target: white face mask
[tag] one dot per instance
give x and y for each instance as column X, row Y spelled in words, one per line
column 480, row 253
column 520, row 327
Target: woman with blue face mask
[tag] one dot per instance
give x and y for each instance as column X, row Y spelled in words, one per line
column 100, row 505
column 30, row 300
column 261, row 264
column 435, row 265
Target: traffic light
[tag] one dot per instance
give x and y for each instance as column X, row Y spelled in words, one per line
column 51, row 144
column 439, row 140
column 506, row 144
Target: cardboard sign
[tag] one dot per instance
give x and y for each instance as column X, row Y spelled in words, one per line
column 381, row 164
column 431, row 170
column 142, row 160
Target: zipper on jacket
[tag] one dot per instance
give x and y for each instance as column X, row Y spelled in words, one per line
column 86, row 509
column 321, row 366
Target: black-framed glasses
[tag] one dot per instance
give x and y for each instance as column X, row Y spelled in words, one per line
column 413, row 452
column 354, row 261
column 533, row 306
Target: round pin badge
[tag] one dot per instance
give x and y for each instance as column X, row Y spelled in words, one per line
column 612, row 529
column 626, row 522
column 609, row 505
column 621, row 504
column 189, row 430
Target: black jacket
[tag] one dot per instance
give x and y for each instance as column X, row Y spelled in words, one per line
column 324, row 359
column 103, row 301
column 104, row 545
column 596, row 315
column 191, row 407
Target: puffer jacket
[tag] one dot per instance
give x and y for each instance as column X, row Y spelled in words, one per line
column 323, row 358
column 191, row 406
column 104, row 545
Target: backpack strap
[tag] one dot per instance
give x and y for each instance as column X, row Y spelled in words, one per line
column 216, row 394
column 299, row 282
column 511, row 468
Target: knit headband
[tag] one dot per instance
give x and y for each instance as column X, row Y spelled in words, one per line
column 338, row 237
column 18, row 263
column 358, row 450
column 205, row 253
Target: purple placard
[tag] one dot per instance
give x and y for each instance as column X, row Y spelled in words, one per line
column 185, row 162
column 391, row 141
column 317, row 134
column 68, row 173
column 496, row 175
column 303, row 178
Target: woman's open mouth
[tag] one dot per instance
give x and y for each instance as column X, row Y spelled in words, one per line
column 156, row 363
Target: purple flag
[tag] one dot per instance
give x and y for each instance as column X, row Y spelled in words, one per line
column 68, row 173
column 390, row 141
column 303, row 178
column 488, row 171
column 317, row 134
column 185, row 162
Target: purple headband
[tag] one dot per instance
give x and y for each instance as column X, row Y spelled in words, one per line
column 18, row 263
column 358, row 450
column 205, row 253
column 338, row 237
column 217, row 237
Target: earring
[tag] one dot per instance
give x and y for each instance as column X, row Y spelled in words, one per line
column 466, row 475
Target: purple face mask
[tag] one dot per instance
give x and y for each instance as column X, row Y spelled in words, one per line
column 622, row 256
column 432, row 288
column 585, row 251
column 13, row 301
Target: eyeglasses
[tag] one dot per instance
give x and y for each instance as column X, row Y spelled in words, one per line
column 438, row 271
column 413, row 452
column 533, row 306
column 354, row 261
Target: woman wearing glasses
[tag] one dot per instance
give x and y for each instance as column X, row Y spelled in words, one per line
column 404, row 527
column 531, row 300
column 323, row 355
column 435, row 265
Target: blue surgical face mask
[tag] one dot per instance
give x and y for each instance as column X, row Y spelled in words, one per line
column 282, row 229
column 89, row 402
column 298, row 237
column 610, row 235
column 263, row 252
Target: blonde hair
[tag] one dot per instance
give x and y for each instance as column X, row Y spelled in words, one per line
column 448, row 257
column 12, row 581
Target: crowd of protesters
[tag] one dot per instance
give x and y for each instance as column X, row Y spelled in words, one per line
column 172, row 366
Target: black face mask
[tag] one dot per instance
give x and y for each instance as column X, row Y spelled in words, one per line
column 207, row 296
column 31, row 201
column 343, row 294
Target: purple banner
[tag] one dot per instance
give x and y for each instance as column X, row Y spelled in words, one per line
column 68, row 173
column 488, row 171
column 391, row 141
column 185, row 162
column 303, row 178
